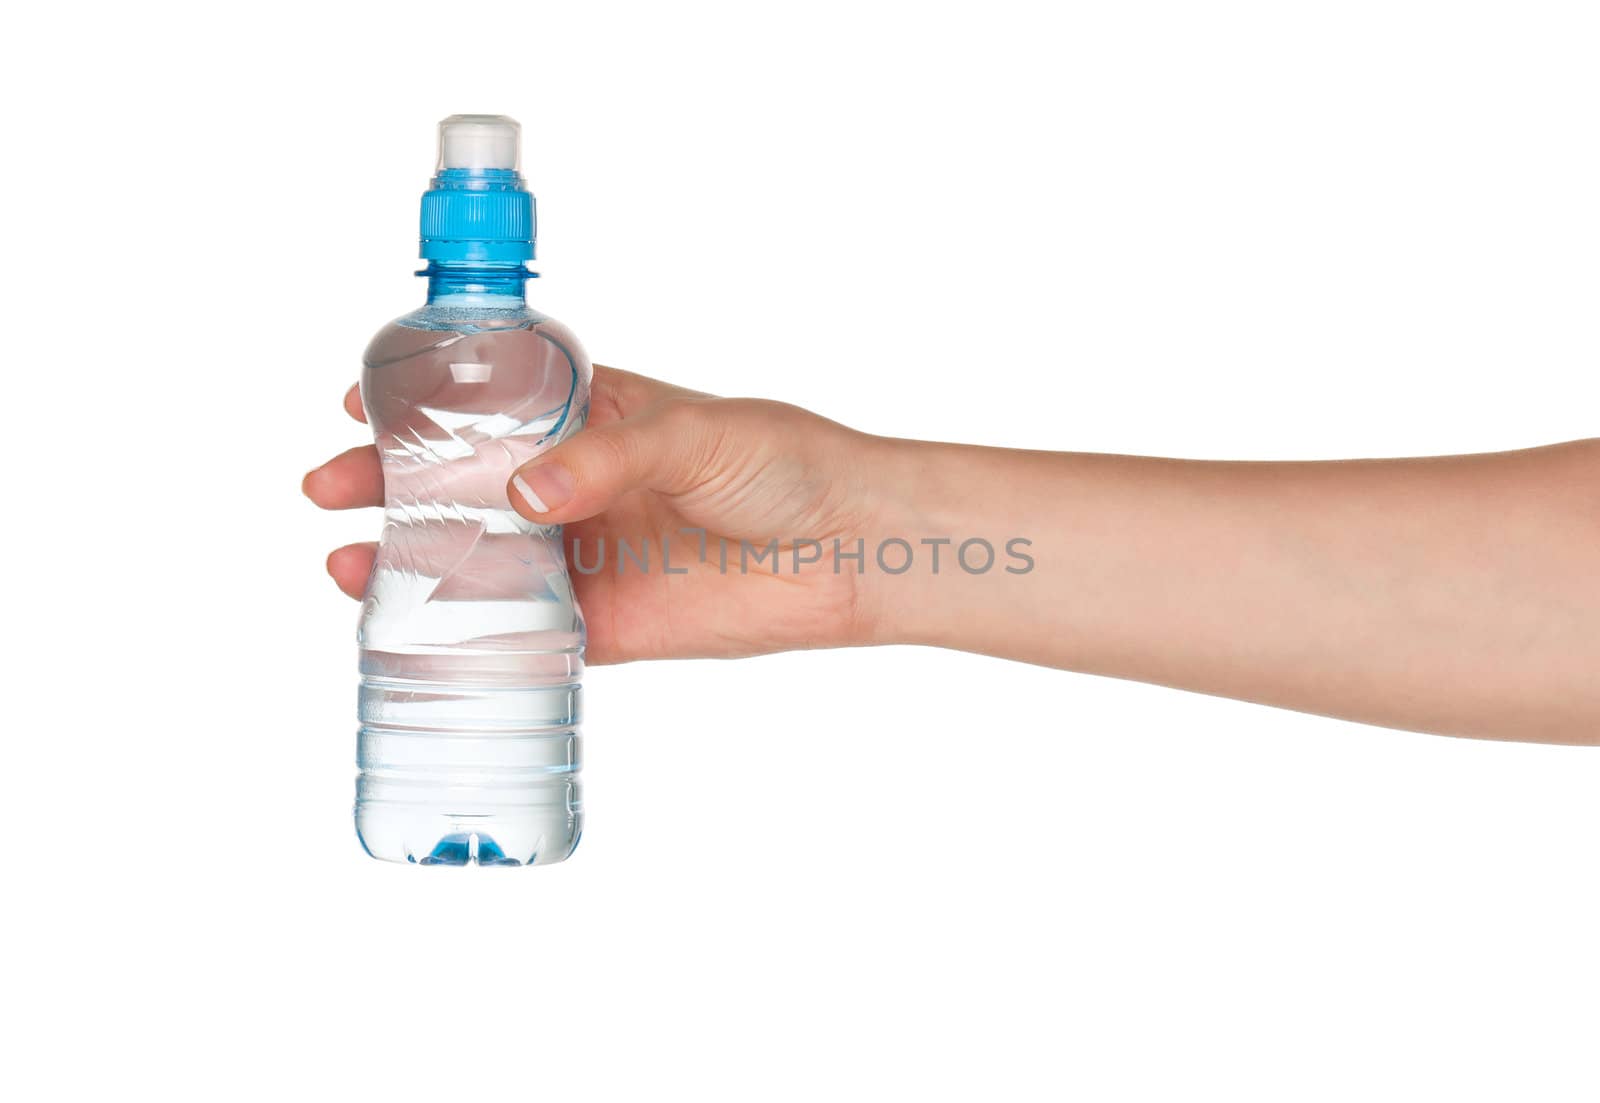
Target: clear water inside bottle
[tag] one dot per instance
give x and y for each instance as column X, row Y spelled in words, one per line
column 471, row 640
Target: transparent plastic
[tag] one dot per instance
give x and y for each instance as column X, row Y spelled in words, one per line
column 471, row 640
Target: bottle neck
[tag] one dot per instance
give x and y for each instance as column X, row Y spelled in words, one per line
column 476, row 283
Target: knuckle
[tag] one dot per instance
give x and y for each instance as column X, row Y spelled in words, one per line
column 613, row 449
column 688, row 430
column 767, row 411
column 682, row 413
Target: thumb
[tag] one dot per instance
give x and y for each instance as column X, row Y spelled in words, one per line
column 665, row 448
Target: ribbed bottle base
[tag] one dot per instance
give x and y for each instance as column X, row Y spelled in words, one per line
column 462, row 829
column 498, row 786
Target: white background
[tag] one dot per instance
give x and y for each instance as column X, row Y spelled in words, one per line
column 1221, row 229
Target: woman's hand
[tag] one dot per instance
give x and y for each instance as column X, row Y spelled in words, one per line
column 713, row 481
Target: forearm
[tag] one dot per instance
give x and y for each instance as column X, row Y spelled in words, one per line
column 1452, row 594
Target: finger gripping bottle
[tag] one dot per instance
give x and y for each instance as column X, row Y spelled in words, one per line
column 471, row 641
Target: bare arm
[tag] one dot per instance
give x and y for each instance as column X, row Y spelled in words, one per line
column 1456, row 594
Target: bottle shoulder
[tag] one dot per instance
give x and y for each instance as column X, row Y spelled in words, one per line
column 470, row 318
column 434, row 326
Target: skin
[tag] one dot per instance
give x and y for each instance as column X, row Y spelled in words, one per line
column 1455, row 594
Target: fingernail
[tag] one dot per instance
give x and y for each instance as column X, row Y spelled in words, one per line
column 544, row 488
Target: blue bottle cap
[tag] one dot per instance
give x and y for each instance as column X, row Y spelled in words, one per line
column 477, row 207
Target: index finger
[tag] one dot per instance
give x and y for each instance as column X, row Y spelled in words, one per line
column 618, row 394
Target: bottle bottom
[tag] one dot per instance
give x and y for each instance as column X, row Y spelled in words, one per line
column 435, row 836
column 457, row 773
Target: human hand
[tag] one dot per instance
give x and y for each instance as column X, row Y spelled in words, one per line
column 710, row 480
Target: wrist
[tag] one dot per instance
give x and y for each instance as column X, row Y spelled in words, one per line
column 918, row 513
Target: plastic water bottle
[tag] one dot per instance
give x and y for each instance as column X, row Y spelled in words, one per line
column 471, row 642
